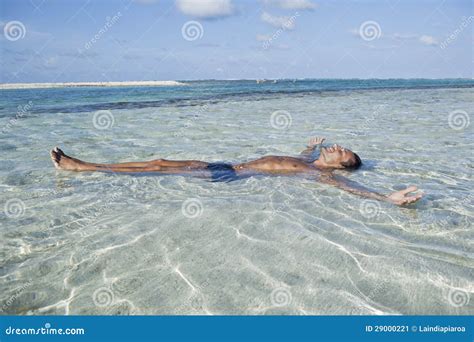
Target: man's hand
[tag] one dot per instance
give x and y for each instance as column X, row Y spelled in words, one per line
column 401, row 197
column 315, row 141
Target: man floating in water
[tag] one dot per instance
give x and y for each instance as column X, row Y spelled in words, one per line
column 330, row 159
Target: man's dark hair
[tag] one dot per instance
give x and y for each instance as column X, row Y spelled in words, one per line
column 353, row 164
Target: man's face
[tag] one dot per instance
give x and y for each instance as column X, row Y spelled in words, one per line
column 335, row 155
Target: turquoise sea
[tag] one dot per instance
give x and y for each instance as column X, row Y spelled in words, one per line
column 102, row 243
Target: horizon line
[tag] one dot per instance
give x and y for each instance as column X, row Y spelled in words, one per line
column 179, row 81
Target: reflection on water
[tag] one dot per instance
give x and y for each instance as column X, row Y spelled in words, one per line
column 85, row 243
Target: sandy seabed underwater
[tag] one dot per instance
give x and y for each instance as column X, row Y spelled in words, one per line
column 97, row 243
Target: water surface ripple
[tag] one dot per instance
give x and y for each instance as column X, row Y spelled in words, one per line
column 83, row 243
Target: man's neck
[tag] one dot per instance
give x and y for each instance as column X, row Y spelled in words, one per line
column 319, row 163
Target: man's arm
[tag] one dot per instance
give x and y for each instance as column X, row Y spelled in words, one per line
column 313, row 143
column 401, row 197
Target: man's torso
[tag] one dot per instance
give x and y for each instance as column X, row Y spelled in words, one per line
column 276, row 164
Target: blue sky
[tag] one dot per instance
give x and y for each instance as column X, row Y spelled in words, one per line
column 53, row 41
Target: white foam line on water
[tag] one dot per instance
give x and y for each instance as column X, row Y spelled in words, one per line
column 24, row 248
column 71, row 222
column 66, row 302
column 341, row 248
column 69, row 300
column 410, row 245
column 442, row 282
column 368, row 299
column 345, row 250
column 207, row 312
column 61, row 304
column 128, row 243
column 361, row 303
column 186, row 280
column 304, row 312
column 370, row 256
column 450, row 233
column 177, row 270
column 348, row 217
column 239, row 235
column 401, row 240
column 257, row 270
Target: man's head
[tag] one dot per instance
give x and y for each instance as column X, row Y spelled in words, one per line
column 338, row 157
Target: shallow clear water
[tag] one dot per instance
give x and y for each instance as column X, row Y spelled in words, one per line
column 85, row 243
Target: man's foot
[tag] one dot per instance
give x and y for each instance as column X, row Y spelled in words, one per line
column 63, row 162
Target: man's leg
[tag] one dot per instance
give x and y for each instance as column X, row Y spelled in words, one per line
column 64, row 162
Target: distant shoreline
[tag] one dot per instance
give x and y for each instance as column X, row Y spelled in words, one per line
column 89, row 84
column 376, row 83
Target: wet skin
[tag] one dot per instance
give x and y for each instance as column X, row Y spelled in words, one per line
column 331, row 158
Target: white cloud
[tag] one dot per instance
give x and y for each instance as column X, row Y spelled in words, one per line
column 424, row 39
column 206, row 9
column 287, row 23
column 357, row 33
column 398, row 37
column 428, row 40
column 402, row 36
column 292, row 4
